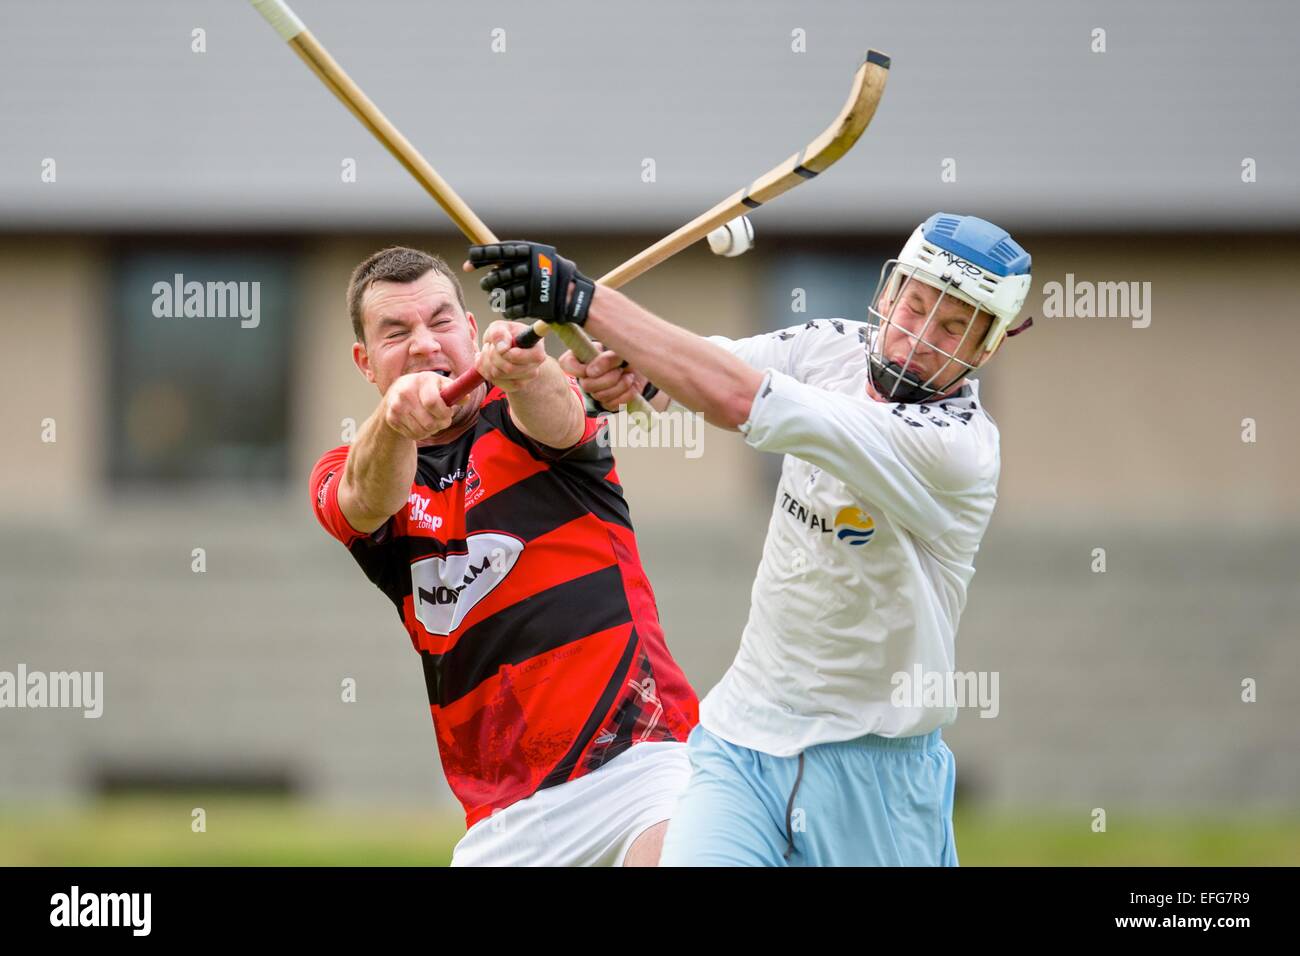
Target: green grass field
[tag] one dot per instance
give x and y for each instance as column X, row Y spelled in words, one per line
column 262, row 832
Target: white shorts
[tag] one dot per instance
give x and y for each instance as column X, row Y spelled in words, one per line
column 590, row 821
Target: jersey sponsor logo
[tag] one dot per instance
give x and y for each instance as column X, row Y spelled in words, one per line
column 446, row 481
column 853, row 526
column 803, row 514
column 447, row 588
column 419, row 513
column 467, row 474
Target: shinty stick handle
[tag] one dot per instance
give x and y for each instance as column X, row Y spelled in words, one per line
column 294, row 32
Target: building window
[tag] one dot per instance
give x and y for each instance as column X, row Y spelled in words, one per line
column 834, row 285
column 199, row 379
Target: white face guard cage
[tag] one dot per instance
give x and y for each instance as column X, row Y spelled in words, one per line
column 898, row 381
column 968, row 260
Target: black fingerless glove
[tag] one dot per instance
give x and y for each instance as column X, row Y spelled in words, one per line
column 535, row 280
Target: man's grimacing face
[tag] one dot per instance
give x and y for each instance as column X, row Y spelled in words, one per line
column 945, row 333
column 415, row 327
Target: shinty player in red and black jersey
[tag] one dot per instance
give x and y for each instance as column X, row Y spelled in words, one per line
column 498, row 529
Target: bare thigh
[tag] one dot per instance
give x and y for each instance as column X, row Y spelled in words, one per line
column 645, row 849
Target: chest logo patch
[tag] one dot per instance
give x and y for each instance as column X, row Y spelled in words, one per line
column 854, row 526
column 474, row 489
column 446, row 588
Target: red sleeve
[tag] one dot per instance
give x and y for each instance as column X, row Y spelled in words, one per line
column 325, row 478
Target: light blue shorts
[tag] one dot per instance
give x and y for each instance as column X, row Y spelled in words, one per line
column 873, row 801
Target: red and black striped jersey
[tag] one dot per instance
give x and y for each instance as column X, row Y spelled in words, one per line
column 514, row 569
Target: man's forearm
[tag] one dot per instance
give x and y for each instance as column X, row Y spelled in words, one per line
column 378, row 476
column 547, row 410
column 697, row 373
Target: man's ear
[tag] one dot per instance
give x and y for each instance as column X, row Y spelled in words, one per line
column 361, row 359
column 473, row 328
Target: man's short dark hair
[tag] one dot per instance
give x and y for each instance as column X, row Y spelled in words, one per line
column 394, row 264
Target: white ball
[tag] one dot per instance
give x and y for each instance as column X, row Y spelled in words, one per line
column 733, row 239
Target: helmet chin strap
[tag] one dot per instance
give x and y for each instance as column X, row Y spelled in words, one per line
column 891, row 381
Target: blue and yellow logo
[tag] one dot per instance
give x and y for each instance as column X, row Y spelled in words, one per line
column 854, row 526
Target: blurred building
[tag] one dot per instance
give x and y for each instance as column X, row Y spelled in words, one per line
column 1164, row 439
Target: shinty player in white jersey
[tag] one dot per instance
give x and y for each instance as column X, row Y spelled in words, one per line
column 804, row 754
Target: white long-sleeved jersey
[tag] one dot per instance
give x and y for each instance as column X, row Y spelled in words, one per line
column 869, row 552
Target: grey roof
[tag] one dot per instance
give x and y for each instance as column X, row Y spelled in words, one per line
column 552, row 132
